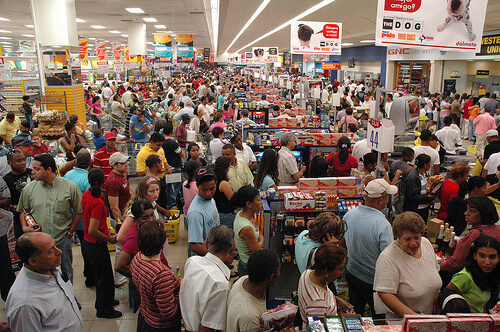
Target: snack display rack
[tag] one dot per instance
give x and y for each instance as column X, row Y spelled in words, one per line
column 50, row 124
column 13, row 94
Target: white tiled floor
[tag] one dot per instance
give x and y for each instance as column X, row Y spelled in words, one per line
column 86, row 296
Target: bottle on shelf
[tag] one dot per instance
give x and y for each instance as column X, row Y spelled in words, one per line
column 439, row 239
column 30, row 220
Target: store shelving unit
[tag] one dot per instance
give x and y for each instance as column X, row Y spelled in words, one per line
column 13, row 94
column 412, row 75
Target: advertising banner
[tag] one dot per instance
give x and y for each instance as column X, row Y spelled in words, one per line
column 490, row 45
column 331, row 65
column 119, row 66
column 315, row 38
column 206, row 54
column 265, row 54
column 287, row 59
column 163, row 48
column 212, row 59
column 83, row 43
column 185, row 49
column 126, row 52
column 117, row 51
column 100, row 49
column 446, row 25
column 27, row 45
column 102, row 67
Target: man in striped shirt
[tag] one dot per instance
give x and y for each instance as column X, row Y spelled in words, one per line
column 101, row 157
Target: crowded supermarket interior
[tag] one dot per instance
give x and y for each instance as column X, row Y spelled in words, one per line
column 228, row 165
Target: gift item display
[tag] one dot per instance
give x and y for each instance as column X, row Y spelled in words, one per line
column 50, row 124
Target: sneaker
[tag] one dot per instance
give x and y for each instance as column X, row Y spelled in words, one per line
column 111, row 314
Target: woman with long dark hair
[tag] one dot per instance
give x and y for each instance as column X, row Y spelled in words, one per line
column 189, row 188
column 267, row 176
column 416, row 198
column 340, row 163
column 95, row 245
column 318, row 167
column 193, row 154
column 223, row 192
column 478, row 282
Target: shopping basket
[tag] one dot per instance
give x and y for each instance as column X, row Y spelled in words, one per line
column 172, row 226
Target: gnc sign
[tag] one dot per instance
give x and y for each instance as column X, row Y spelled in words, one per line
column 397, row 51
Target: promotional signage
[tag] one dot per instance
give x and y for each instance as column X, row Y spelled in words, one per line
column 482, row 73
column 331, row 66
column 185, row 49
column 100, row 49
column 265, row 54
column 206, row 54
column 27, row 45
column 212, row 59
column 83, row 43
column 315, row 38
column 163, row 48
column 424, row 23
column 380, row 135
column 126, row 52
column 117, row 51
column 287, row 59
column 102, row 67
column 119, row 66
column 490, row 45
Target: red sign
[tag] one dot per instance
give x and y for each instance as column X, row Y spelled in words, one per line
column 117, row 51
column 404, row 6
column 375, row 123
column 212, row 59
column 100, row 49
column 331, row 65
column 330, row 31
column 1, row 61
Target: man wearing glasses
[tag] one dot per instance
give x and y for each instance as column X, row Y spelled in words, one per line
column 368, row 234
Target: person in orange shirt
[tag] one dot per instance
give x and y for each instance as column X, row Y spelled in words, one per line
column 474, row 111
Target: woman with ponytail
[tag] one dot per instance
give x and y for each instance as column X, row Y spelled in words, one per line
column 340, row 163
column 247, row 236
column 95, row 245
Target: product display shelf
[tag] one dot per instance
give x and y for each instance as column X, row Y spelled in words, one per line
column 13, row 94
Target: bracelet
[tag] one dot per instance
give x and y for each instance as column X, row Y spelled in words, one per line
column 70, row 234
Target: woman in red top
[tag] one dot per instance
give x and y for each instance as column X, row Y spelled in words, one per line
column 341, row 163
column 449, row 189
column 38, row 146
column 95, row 245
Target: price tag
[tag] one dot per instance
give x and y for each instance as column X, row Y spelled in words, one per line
column 380, row 136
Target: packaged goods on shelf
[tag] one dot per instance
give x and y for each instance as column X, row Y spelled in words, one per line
column 383, row 328
column 315, row 325
column 298, row 201
column 433, row 229
column 282, row 190
column 279, row 312
column 340, row 186
column 424, row 325
column 496, row 322
column 471, row 324
column 334, row 324
column 406, row 318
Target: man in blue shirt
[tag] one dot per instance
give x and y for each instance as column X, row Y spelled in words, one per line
column 139, row 128
column 368, row 234
column 202, row 214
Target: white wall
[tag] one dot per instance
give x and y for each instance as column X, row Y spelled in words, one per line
column 362, row 67
column 461, row 67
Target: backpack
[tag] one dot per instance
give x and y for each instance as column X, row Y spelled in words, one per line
column 179, row 200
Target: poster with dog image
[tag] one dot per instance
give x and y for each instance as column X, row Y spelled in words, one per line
column 453, row 25
column 264, row 54
column 315, row 38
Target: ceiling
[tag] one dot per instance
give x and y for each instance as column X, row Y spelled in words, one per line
column 190, row 16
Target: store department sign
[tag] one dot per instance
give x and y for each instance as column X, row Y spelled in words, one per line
column 396, row 53
column 331, row 66
column 315, row 37
column 27, row 45
column 482, row 73
column 490, row 45
column 102, row 67
column 424, row 23
column 265, row 54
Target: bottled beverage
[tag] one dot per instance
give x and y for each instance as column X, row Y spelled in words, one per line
column 439, row 239
column 178, row 272
column 30, row 220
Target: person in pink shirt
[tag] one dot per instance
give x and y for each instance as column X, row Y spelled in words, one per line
column 483, row 122
column 349, row 118
column 96, row 110
column 189, row 188
column 219, row 122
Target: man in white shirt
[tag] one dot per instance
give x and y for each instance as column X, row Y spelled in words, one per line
column 188, row 109
column 106, row 92
column 205, row 287
column 217, row 143
column 388, row 105
column 359, row 150
column 201, row 90
column 483, row 100
column 203, row 107
column 264, row 103
column 127, row 96
column 245, row 121
column 449, row 136
column 426, row 147
column 244, row 152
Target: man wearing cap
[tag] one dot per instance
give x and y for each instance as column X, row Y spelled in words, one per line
column 493, row 145
column 449, row 136
column 202, row 215
column 368, row 234
column 188, row 109
column 245, row 121
column 80, row 176
column 55, row 204
column 101, row 157
column 181, row 131
column 23, row 143
column 153, row 147
column 8, row 127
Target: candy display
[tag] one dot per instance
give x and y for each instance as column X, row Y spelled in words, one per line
column 50, row 124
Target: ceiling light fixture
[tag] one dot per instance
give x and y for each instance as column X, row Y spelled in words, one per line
column 5, row 38
column 29, row 36
column 91, row 38
column 135, row 10
column 29, row 26
column 56, row 46
column 124, row 35
column 114, row 31
column 346, row 44
column 149, row 19
column 160, row 26
column 252, row 18
column 214, row 10
column 79, row 20
column 284, row 25
column 5, row 31
column 8, row 43
column 4, row 19
column 97, row 27
column 367, row 41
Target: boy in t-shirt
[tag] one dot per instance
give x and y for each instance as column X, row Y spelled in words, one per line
column 99, row 141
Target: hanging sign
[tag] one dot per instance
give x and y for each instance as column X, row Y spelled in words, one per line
column 380, row 135
column 126, row 53
column 490, row 45
column 445, row 25
column 117, row 51
column 119, row 66
column 102, row 67
column 27, row 45
column 482, row 73
column 185, row 49
column 212, row 59
column 206, row 54
column 100, row 49
column 331, row 65
column 163, row 48
column 83, row 44
column 315, row 37
column 265, row 54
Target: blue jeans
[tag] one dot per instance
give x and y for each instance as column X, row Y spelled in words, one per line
column 28, row 118
column 227, row 219
column 173, row 190
column 242, row 268
column 67, row 257
column 472, row 129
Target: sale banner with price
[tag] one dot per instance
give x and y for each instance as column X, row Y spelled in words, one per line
column 380, row 135
column 315, row 38
column 447, row 25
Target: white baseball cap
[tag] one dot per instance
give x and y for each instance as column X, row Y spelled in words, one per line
column 378, row 188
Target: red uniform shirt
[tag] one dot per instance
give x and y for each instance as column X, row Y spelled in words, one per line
column 93, row 208
column 117, row 186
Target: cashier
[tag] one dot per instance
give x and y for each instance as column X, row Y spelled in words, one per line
column 288, row 171
column 284, row 114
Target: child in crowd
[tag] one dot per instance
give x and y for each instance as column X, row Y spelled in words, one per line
column 99, row 141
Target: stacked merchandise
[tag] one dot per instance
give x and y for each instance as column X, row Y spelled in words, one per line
column 12, row 92
column 50, row 124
